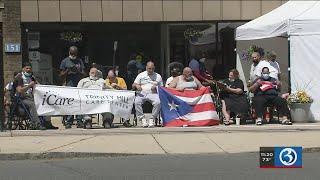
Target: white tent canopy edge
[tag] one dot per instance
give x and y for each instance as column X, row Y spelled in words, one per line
column 300, row 21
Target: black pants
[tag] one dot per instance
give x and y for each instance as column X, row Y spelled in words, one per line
column 261, row 102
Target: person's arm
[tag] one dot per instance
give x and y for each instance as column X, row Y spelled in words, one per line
column 106, row 84
column 80, row 83
column 174, row 82
column 63, row 70
column 255, row 85
column 82, row 68
column 198, row 75
column 168, row 81
column 160, row 81
column 122, row 84
column 279, row 84
column 238, row 88
column 22, row 89
column 199, row 85
column 136, row 84
column 234, row 91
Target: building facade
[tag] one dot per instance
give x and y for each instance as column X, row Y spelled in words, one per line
column 156, row 29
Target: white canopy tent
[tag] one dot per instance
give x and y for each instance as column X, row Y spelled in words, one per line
column 300, row 22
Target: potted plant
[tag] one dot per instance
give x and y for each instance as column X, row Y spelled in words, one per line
column 299, row 103
column 191, row 34
column 73, row 38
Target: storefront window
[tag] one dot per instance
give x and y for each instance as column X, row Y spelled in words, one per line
column 214, row 40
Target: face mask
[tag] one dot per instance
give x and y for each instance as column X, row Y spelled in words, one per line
column 116, row 72
column 73, row 57
column 27, row 74
column 189, row 78
column 265, row 76
column 231, row 80
column 174, row 73
column 93, row 78
column 139, row 59
column 202, row 60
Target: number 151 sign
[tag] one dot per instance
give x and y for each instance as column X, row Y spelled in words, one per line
column 12, row 47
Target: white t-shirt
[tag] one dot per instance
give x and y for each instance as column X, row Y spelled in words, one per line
column 147, row 81
column 169, row 80
column 258, row 69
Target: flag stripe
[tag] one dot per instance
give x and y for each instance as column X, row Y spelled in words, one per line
column 200, row 116
column 195, row 108
column 206, row 98
column 188, row 93
column 204, row 107
column 178, row 122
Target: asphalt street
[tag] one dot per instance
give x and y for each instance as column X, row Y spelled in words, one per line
column 176, row 167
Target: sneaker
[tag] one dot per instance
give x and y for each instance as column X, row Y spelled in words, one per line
column 259, row 122
column 151, row 123
column 127, row 124
column 42, row 128
column 144, row 122
column 80, row 125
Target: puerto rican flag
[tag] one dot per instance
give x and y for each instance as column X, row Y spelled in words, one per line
column 266, row 85
column 187, row 108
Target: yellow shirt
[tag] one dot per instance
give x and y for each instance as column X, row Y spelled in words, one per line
column 120, row 82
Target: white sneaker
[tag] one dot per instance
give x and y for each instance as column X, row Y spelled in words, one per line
column 151, row 123
column 144, row 122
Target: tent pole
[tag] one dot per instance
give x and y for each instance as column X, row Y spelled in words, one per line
column 289, row 67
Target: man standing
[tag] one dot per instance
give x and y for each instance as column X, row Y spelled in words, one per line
column 72, row 69
column 146, row 84
column 271, row 57
column 257, row 66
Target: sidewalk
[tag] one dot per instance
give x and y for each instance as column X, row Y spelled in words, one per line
column 132, row 141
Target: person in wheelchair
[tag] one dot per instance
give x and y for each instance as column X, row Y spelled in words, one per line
column 146, row 86
column 266, row 93
column 233, row 97
column 24, row 84
column 185, row 81
column 117, row 83
column 93, row 82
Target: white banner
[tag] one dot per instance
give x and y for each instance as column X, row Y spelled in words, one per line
column 61, row 100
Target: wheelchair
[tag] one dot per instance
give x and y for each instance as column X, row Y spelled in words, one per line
column 217, row 100
column 19, row 117
column 147, row 108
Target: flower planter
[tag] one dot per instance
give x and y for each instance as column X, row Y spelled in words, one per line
column 300, row 112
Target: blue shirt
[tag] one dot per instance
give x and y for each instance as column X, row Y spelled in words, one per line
column 76, row 67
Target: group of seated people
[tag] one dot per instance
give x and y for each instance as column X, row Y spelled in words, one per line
column 264, row 86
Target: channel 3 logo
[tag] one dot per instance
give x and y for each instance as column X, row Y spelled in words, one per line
column 281, row 157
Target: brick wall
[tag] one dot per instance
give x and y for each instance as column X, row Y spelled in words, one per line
column 11, row 17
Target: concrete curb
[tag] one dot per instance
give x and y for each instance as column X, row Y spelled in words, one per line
column 70, row 155
column 59, row 155
column 155, row 131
